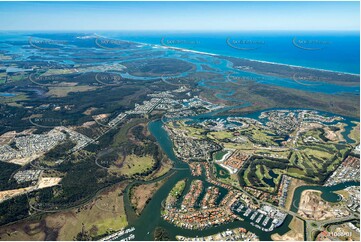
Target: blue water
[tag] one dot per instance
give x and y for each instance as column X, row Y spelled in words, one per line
column 335, row 51
column 6, row 94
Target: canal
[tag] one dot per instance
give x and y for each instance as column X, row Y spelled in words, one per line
column 150, row 218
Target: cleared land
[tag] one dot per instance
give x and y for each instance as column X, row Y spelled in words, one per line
column 64, row 91
column 12, row 193
column 48, row 182
column 133, row 164
column 42, row 183
column 312, row 206
column 142, row 194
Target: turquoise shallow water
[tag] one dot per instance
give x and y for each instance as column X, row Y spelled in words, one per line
column 340, row 54
column 335, row 51
column 5, row 94
column 340, row 57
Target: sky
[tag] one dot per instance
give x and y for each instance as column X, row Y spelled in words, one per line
column 179, row 16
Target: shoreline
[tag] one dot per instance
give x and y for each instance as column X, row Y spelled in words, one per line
column 95, row 35
column 301, row 67
column 253, row 60
column 183, row 49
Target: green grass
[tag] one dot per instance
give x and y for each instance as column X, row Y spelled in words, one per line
column 134, row 164
column 231, row 180
column 17, row 98
column 220, row 135
column 178, row 188
column 296, row 171
column 266, row 172
column 121, row 136
column 175, row 193
column 259, row 136
column 219, row 155
column 245, row 176
column 258, row 172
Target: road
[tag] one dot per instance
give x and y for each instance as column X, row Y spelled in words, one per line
column 313, row 227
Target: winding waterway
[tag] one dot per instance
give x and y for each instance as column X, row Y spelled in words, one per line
column 150, row 218
column 328, row 193
column 151, row 215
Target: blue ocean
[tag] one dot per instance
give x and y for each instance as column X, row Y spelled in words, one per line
column 334, row 51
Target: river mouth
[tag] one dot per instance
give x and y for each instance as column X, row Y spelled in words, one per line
column 222, row 78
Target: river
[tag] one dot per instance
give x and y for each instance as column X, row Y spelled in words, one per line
column 150, row 217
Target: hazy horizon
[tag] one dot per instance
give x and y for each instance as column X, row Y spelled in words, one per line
column 179, row 16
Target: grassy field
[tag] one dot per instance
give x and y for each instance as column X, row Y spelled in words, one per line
column 102, row 215
column 2, row 77
column 275, row 153
column 258, row 172
column 266, row 173
column 318, row 150
column 166, row 166
column 219, row 155
column 317, row 153
column 59, row 72
column 178, row 188
column 258, row 136
column 260, row 182
column 64, row 91
column 134, row 164
column 295, row 171
column 220, row 135
column 176, row 192
column 245, row 176
column 343, row 193
column 246, row 147
column 231, row 180
column 143, row 193
column 17, row 98
column 193, row 132
column 121, row 136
